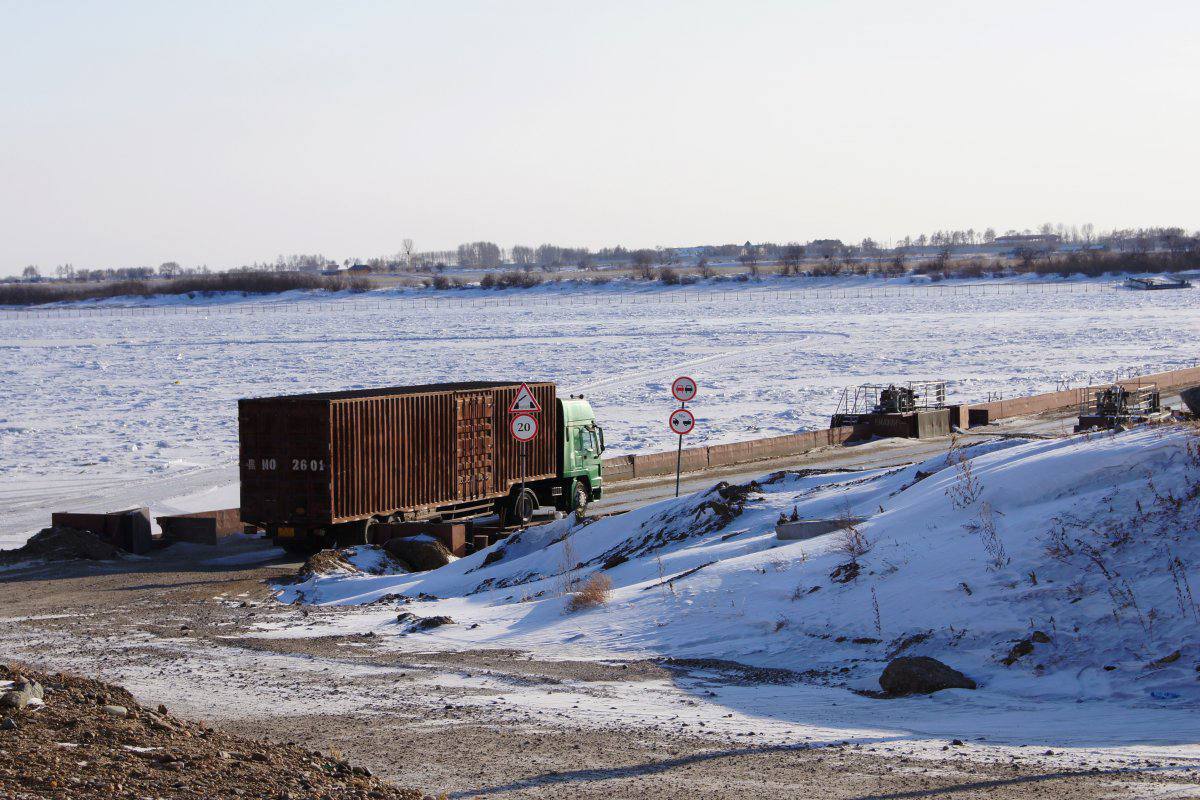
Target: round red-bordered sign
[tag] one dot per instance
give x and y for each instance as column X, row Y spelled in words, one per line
column 683, row 388
column 682, row 421
column 524, row 427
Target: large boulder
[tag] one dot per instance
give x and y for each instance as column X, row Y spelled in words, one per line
column 419, row 552
column 921, row 675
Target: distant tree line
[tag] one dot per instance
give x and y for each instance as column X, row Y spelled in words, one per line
column 817, row 256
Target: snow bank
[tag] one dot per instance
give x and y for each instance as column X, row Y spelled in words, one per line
column 1058, row 569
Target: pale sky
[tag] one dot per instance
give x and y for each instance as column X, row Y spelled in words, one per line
column 222, row 133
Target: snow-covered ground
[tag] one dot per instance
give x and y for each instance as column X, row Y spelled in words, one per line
column 1076, row 556
column 102, row 412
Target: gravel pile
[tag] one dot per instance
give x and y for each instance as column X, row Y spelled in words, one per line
column 62, row 544
column 88, row 739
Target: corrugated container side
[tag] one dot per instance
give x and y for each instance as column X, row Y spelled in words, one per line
column 285, row 462
column 346, row 456
column 541, row 454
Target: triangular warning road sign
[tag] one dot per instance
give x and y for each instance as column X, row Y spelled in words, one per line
column 524, row 402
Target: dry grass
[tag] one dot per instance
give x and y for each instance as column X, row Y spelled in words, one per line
column 594, row 592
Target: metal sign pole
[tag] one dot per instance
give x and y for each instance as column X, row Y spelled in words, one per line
column 679, row 458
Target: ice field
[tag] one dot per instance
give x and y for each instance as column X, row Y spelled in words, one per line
column 139, row 405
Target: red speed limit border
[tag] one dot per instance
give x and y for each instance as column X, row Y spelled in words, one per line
column 682, row 421
column 683, row 389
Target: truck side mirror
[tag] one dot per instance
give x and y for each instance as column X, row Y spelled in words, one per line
column 601, row 432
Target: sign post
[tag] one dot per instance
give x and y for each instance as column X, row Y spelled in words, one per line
column 682, row 421
column 523, row 425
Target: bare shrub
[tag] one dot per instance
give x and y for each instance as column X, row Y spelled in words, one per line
column 875, row 608
column 669, row 276
column 594, row 592
column 853, row 542
column 1183, row 589
column 985, row 526
column 567, row 564
column 967, row 487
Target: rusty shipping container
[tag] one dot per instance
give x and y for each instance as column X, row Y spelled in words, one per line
column 412, row 451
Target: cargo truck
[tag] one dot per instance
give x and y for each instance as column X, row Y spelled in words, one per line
column 319, row 470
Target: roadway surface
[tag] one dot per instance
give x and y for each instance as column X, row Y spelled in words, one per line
column 627, row 495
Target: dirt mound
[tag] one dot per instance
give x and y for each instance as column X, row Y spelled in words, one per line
column 717, row 509
column 421, row 552
column 62, row 544
column 93, row 740
column 325, row 562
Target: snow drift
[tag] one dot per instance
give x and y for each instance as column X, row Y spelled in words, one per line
column 1056, row 569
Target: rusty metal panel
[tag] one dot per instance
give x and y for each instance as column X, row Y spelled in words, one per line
column 341, row 456
column 541, row 459
column 284, row 460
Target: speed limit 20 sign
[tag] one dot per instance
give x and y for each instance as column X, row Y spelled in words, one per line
column 683, row 389
column 524, row 427
column 682, row 422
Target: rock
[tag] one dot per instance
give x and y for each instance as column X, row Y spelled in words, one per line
column 921, row 675
column 115, row 711
column 9, row 724
column 845, row 572
column 23, row 692
column 1040, row 637
column 1021, row 648
column 420, row 552
column 161, row 723
column 611, row 562
column 429, row 623
column 1167, row 659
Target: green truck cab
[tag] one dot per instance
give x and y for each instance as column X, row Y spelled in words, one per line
column 581, row 443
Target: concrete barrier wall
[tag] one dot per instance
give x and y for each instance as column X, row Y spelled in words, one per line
column 692, row 459
column 1175, row 379
column 202, row 527
column 621, row 468
column 1069, row 398
column 618, row 468
column 1020, row 406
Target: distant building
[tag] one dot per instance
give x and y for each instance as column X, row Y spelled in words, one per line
column 360, row 269
column 1029, row 241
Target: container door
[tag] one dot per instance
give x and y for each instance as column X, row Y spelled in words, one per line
column 473, row 411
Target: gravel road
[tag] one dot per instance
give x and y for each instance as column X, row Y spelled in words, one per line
column 178, row 628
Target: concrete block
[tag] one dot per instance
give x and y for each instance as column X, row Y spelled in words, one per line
column 803, row 529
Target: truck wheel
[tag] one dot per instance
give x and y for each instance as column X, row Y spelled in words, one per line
column 520, row 510
column 352, row 534
column 580, row 499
